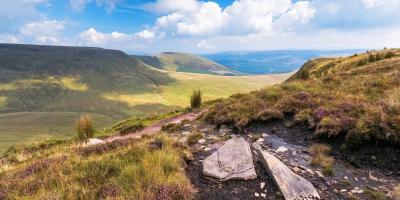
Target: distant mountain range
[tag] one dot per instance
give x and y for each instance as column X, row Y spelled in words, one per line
column 272, row 62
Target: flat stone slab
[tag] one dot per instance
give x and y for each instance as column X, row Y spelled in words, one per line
column 294, row 153
column 93, row 141
column 291, row 185
column 233, row 160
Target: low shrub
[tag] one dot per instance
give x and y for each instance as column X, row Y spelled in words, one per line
column 172, row 127
column 293, row 104
column 328, row 127
column 303, row 117
column 84, row 128
column 131, row 127
column 270, row 114
column 390, row 54
column 193, row 138
column 374, row 194
column 195, row 99
column 320, row 153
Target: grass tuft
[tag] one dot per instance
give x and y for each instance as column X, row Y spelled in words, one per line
column 84, row 128
column 194, row 137
column 195, row 99
column 321, row 158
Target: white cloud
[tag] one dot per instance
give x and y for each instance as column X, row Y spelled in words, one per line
column 91, row 36
column 80, row 5
column 299, row 13
column 146, row 34
column 169, row 6
column 207, row 19
column 203, row 44
column 242, row 17
column 376, row 3
column 6, row 38
column 46, row 32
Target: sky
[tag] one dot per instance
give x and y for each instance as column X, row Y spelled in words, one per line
column 153, row 26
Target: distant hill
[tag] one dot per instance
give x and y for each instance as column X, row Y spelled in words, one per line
column 271, row 62
column 49, row 78
column 44, row 89
column 182, row 62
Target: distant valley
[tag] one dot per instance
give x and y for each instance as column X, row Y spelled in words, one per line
column 46, row 88
column 272, row 62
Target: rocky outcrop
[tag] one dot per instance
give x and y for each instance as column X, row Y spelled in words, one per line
column 233, row 160
column 291, row 185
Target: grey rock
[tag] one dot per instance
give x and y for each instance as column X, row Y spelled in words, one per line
column 231, row 161
column 93, row 141
column 291, row 185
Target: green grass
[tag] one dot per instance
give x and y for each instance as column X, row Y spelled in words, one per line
column 337, row 98
column 181, row 62
column 49, row 83
column 17, row 128
column 149, row 168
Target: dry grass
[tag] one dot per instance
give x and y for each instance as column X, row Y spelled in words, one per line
column 84, row 128
column 194, row 137
column 195, row 99
column 337, row 99
column 397, row 192
column 321, row 157
column 374, row 194
column 134, row 170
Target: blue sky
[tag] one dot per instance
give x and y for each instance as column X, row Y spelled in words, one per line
column 151, row 26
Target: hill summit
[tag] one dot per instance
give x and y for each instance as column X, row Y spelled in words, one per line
column 183, row 62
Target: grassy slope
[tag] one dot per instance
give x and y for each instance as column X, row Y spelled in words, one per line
column 53, row 85
column 149, row 168
column 186, row 63
column 353, row 100
column 23, row 127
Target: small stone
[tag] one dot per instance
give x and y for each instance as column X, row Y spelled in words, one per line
column 260, row 140
column 281, row 149
column 256, row 194
column 207, row 149
column 185, row 133
column 356, row 179
column 336, row 191
column 319, row 174
column 373, row 158
column 343, row 190
column 262, row 185
column 263, row 195
column 187, row 125
column 345, row 178
column 357, row 190
column 264, row 135
column 310, row 171
column 201, row 141
column 296, row 169
column 363, row 178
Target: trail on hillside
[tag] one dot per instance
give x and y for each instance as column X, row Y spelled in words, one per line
column 155, row 128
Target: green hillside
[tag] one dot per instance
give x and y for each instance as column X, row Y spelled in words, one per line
column 182, row 62
column 47, row 87
column 352, row 103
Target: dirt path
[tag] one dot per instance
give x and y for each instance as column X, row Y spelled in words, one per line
column 155, row 128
